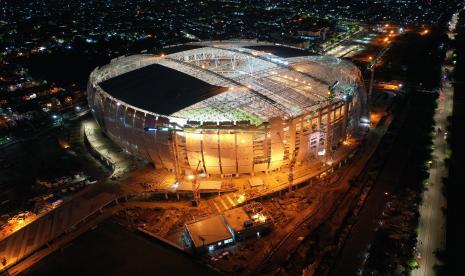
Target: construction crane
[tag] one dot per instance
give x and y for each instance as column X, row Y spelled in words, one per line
column 372, row 66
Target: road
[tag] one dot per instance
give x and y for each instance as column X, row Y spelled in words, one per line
column 431, row 230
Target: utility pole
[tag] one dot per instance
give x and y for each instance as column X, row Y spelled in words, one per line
column 372, row 78
column 372, row 66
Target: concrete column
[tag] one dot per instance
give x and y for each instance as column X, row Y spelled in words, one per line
column 292, row 137
column 328, row 130
column 344, row 120
column 320, row 115
column 235, row 154
column 202, row 151
column 219, row 152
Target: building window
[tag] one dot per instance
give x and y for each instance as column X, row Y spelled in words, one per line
column 228, row 241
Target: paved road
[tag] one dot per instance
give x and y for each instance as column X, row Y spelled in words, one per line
column 431, row 231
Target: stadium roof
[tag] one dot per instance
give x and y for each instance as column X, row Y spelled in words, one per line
column 279, row 50
column 159, row 89
column 228, row 81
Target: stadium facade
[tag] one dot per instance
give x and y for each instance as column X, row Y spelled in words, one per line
column 227, row 107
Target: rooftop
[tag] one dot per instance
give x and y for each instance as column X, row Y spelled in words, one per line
column 236, row 218
column 208, row 231
column 280, row 51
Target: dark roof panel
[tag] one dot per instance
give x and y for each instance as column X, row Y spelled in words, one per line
column 159, row 89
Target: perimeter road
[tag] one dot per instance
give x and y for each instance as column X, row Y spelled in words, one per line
column 431, row 228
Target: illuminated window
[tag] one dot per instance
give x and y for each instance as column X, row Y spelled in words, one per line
column 228, row 241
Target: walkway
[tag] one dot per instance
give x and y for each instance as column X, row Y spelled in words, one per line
column 106, row 150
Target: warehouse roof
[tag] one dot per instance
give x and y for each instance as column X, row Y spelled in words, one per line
column 208, row 231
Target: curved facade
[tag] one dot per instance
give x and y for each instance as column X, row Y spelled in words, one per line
column 227, row 108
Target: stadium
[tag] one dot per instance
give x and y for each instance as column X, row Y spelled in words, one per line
column 227, row 108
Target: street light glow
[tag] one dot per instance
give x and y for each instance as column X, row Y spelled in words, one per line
column 241, row 198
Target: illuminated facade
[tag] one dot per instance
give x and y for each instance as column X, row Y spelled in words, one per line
column 263, row 111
